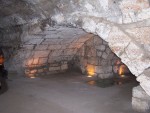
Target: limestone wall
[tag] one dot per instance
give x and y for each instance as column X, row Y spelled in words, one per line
column 48, row 51
column 123, row 24
column 95, row 58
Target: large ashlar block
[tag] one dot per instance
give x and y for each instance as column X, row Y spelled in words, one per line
column 35, row 41
column 101, row 47
column 140, row 105
column 103, row 62
column 144, row 80
column 105, row 55
column 110, row 56
column 41, row 47
column 99, row 53
column 41, row 54
column 140, row 100
column 140, row 93
column 55, row 47
column 64, row 67
column 54, row 68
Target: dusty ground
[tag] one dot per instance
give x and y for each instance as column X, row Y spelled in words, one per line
column 64, row 93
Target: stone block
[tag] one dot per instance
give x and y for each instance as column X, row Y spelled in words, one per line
column 93, row 60
column 144, row 80
column 40, row 70
column 110, row 56
column 54, row 68
column 41, row 47
column 35, row 41
column 99, row 53
column 140, row 105
column 139, row 92
column 64, row 67
column 103, row 62
column 33, row 71
column 109, row 62
column 105, row 43
column 55, row 47
column 101, row 47
column 42, row 61
column 93, row 52
column 52, row 41
column 35, row 61
column 89, row 42
column 28, row 47
column 105, row 55
column 140, row 100
column 55, row 64
column 108, row 50
column 97, row 40
column 82, row 39
column 56, row 53
column 70, row 52
column 41, row 54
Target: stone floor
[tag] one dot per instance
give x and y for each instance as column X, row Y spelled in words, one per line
column 64, row 93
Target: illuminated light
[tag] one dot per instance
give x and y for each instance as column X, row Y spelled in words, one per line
column 29, row 62
column 33, row 71
column 35, row 61
column 1, row 59
column 32, row 77
column 122, row 69
column 122, row 75
column 90, row 70
column 89, row 76
column 32, row 62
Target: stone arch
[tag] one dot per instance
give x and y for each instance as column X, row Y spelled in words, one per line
column 130, row 44
column 122, row 20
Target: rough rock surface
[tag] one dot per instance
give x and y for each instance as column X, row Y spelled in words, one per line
column 48, row 51
column 140, row 100
column 95, row 58
column 124, row 24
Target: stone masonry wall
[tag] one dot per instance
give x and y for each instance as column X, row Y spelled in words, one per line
column 124, row 24
column 96, row 58
column 47, row 51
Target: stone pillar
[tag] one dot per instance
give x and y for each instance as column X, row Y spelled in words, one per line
column 140, row 100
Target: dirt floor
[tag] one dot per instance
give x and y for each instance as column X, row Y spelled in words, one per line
column 64, row 93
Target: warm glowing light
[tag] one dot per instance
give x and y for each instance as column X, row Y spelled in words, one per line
column 32, row 77
column 122, row 69
column 89, row 76
column 1, row 59
column 90, row 70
